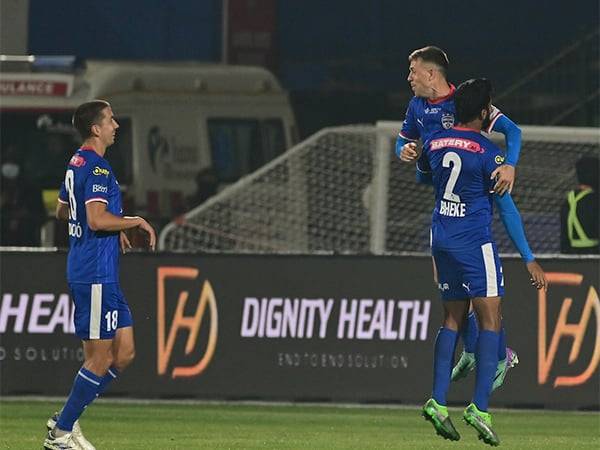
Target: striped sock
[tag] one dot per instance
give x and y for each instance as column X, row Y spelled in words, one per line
column 112, row 374
column 84, row 390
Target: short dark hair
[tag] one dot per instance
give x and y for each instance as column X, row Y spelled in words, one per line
column 471, row 97
column 88, row 114
column 587, row 168
column 434, row 55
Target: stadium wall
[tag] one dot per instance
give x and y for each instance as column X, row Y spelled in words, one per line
column 300, row 328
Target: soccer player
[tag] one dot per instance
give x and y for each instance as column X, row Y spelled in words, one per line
column 461, row 161
column 432, row 110
column 90, row 200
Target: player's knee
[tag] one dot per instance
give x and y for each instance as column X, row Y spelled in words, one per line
column 451, row 324
column 490, row 323
column 99, row 364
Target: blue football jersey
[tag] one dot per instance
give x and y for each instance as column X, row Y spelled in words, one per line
column 93, row 255
column 462, row 161
column 426, row 117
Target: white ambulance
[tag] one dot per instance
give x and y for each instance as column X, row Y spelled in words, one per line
column 176, row 119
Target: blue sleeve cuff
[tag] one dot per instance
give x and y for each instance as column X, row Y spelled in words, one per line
column 512, row 136
column 514, row 226
column 400, row 141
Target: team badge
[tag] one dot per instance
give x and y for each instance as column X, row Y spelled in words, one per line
column 447, row 121
column 499, row 159
column 77, row 161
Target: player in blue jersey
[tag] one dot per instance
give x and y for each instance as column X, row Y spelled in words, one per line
column 432, row 110
column 90, row 200
column 461, row 162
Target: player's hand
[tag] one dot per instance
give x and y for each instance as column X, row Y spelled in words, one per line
column 409, row 152
column 505, row 179
column 151, row 233
column 538, row 277
column 124, row 241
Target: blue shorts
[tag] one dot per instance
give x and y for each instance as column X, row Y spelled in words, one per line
column 469, row 274
column 100, row 309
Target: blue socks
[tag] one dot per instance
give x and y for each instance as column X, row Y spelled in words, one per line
column 470, row 332
column 443, row 358
column 84, row 391
column 486, row 356
column 502, row 344
column 81, row 395
column 106, row 379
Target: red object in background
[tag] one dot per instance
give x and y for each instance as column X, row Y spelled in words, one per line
column 251, row 36
column 34, row 87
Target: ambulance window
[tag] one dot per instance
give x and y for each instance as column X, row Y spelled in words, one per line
column 240, row 146
column 273, row 139
column 119, row 155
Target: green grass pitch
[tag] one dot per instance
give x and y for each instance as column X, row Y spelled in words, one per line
column 129, row 426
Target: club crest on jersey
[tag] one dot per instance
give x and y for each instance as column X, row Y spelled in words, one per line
column 100, row 171
column 77, row 161
column 447, row 121
column 499, row 159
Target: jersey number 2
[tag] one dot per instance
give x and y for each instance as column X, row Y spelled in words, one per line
column 453, row 159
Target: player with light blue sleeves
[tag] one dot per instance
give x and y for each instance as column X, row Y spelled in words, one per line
column 432, row 110
column 461, row 161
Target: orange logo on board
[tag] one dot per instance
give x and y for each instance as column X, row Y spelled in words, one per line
column 576, row 331
column 189, row 324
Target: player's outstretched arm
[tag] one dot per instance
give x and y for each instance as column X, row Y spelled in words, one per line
column 514, row 227
column 505, row 174
column 99, row 219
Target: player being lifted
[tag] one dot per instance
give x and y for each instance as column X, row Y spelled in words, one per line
column 431, row 110
column 90, row 200
column 461, row 162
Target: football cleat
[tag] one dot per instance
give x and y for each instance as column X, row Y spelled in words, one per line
column 482, row 422
column 77, row 435
column 64, row 442
column 465, row 364
column 511, row 361
column 437, row 415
